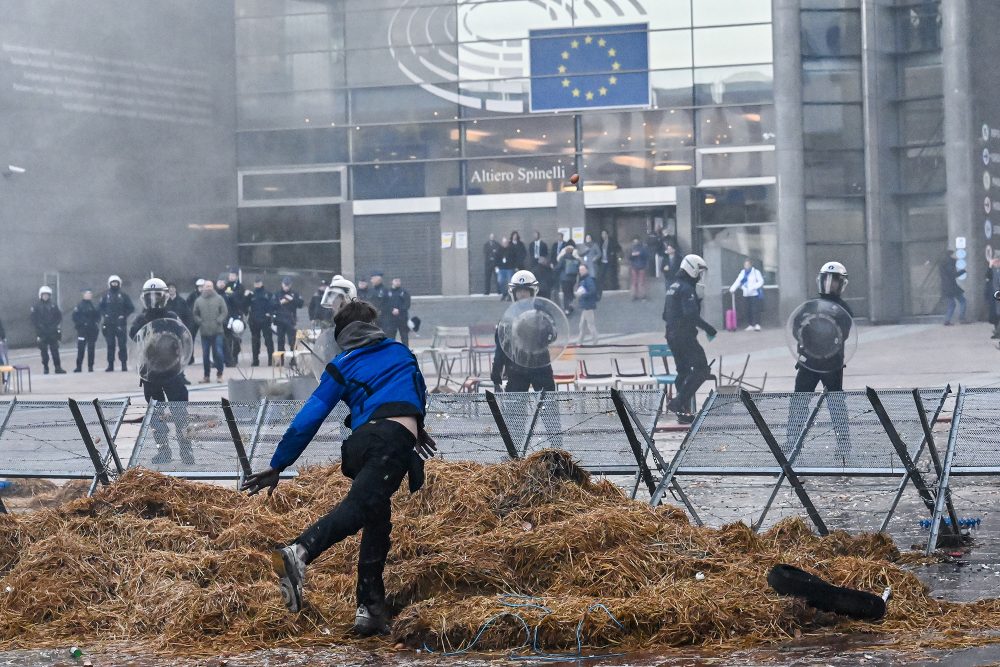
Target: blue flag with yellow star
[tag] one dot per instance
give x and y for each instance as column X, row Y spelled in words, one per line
column 589, row 68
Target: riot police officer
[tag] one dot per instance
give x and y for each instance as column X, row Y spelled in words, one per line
column 287, row 315
column 166, row 381
column 86, row 320
column 831, row 281
column 523, row 285
column 261, row 315
column 47, row 319
column 115, row 307
column 682, row 315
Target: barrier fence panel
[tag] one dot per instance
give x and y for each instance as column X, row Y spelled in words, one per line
column 42, row 439
column 465, row 428
column 739, row 476
column 274, row 421
column 727, row 456
column 584, row 423
column 850, row 469
column 192, row 440
column 973, row 449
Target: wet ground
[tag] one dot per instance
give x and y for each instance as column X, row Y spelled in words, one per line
column 836, row 651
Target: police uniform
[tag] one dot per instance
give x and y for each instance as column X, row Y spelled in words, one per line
column 682, row 315
column 829, row 371
column 261, row 314
column 116, row 306
column 47, row 318
column 167, row 386
column 287, row 317
column 86, row 319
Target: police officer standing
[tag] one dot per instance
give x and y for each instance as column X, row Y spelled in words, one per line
column 47, row 319
column 261, row 315
column 832, row 280
column 399, row 312
column 682, row 315
column 378, row 296
column 86, row 319
column 115, row 307
column 164, row 384
column 523, row 285
column 319, row 316
column 287, row 316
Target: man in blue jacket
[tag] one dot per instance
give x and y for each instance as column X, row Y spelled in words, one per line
column 380, row 380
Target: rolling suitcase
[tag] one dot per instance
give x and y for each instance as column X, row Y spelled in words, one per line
column 731, row 323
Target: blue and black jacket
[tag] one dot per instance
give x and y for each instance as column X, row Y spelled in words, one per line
column 375, row 376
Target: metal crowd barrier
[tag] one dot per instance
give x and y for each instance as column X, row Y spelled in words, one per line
column 794, row 437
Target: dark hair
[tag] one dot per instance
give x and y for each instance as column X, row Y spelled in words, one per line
column 354, row 311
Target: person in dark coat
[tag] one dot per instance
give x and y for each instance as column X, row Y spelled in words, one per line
column 546, row 278
column 491, row 249
column 568, row 271
column 398, row 305
column 318, row 315
column 261, row 316
column 682, row 316
column 537, row 249
column 505, row 267
column 165, row 383
column 671, row 261
column 519, row 253
column 87, row 321
column 378, row 296
column 557, row 248
column 115, row 307
column 607, row 266
column 46, row 318
column 991, row 287
column 950, row 291
column 287, row 315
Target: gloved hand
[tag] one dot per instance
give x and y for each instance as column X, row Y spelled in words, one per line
column 426, row 447
column 265, row 479
column 712, row 333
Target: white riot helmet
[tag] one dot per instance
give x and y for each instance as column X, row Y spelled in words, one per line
column 523, row 280
column 114, row 279
column 236, row 325
column 694, row 266
column 832, row 279
column 339, row 292
column 44, row 289
column 154, row 293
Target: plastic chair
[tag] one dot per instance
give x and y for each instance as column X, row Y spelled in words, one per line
column 667, row 379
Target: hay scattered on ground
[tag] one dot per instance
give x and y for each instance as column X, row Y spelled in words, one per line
column 182, row 568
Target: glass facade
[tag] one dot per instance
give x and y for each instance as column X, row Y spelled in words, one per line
column 833, row 139
column 431, row 97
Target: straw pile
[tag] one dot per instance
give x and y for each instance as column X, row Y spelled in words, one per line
column 182, row 568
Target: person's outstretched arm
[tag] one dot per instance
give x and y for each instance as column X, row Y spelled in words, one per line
column 306, row 424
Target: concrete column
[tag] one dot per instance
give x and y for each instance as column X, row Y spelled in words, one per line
column 883, row 228
column 347, row 265
column 455, row 260
column 960, row 149
column 686, row 218
column 570, row 210
column 792, row 270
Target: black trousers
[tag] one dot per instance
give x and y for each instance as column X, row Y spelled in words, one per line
column 174, row 391
column 85, row 343
column 286, row 332
column 231, row 347
column 260, row 330
column 113, row 337
column 541, row 379
column 567, row 293
column 397, row 324
column 490, row 280
column 692, row 367
column 377, row 457
column 49, row 345
column 806, row 381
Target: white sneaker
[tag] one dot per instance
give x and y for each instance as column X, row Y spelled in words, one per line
column 749, row 328
column 756, row 327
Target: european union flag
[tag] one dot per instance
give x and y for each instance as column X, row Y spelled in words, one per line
column 590, row 68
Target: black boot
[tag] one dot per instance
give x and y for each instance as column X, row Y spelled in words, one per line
column 45, row 370
column 79, row 370
column 60, row 371
column 124, row 367
column 110, row 368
